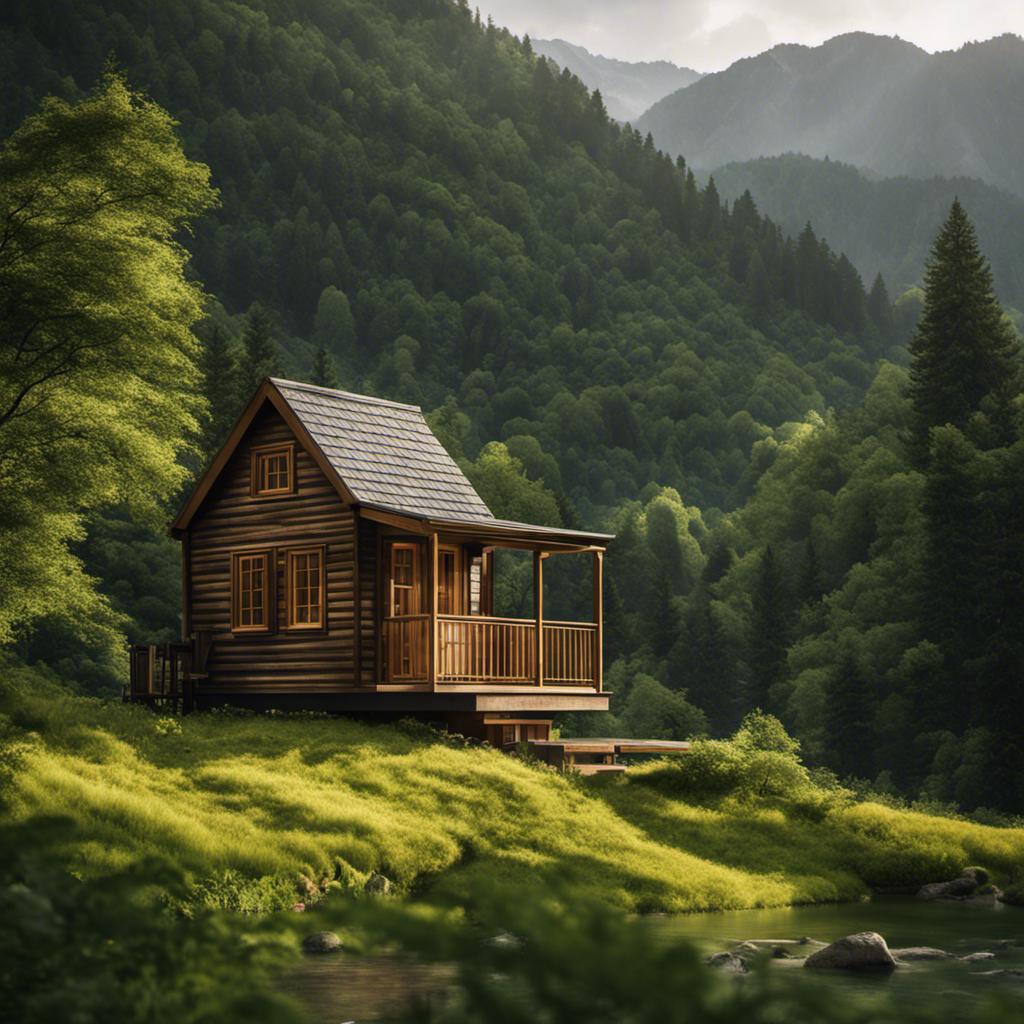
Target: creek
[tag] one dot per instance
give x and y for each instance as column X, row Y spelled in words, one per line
column 343, row 988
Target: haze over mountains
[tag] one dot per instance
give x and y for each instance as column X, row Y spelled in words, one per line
column 885, row 225
column 627, row 89
column 875, row 102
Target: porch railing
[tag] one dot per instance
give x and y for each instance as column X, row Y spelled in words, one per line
column 477, row 649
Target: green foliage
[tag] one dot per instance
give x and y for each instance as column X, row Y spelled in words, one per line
column 105, row 949
column 98, row 383
column 563, row 959
column 653, row 711
column 760, row 760
column 964, row 351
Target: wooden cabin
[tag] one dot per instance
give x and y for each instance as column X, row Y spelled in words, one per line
column 335, row 557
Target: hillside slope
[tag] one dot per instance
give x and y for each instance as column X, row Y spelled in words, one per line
column 887, row 225
column 246, row 804
column 871, row 101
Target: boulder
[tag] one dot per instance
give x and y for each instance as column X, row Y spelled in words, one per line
column 921, row 953
column 377, row 885
column 973, row 958
column 748, row 951
column 322, row 942
column 863, row 951
column 728, row 963
column 986, row 898
column 958, row 887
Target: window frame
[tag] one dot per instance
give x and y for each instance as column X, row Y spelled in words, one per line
column 290, row 556
column 258, row 455
column 269, row 601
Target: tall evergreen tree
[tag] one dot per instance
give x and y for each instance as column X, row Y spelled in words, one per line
column 221, row 385
column 964, row 353
column 259, row 359
column 769, row 632
column 322, row 372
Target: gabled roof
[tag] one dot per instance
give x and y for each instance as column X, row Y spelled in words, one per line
column 385, row 453
column 382, row 457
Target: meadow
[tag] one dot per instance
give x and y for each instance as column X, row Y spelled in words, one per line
column 244, row 805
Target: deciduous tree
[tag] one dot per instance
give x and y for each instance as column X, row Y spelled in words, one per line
column 98, row 381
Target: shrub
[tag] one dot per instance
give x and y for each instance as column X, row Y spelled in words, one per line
column 760, row 760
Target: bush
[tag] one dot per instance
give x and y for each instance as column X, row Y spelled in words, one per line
column 760, row 760
column 104, row 950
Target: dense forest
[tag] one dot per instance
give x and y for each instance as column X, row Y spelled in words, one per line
column 412, row 204
column 884, row 225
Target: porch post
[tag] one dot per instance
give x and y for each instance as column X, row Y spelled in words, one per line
column 598, row 621
column 432, row 610
column 538, row 608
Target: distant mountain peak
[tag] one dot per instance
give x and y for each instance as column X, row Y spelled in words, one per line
column 628, row 89
column 878, row 102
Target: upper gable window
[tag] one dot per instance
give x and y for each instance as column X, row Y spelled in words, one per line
column 272, row 471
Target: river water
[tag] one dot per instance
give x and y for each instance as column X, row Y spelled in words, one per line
column 365, row 989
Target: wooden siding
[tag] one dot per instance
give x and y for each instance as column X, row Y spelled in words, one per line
column 230, row 520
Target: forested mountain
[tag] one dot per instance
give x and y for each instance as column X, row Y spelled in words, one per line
column 627, row 88
column 887, row 225
column 871, row 101
column 414, row 205
column 415, row 191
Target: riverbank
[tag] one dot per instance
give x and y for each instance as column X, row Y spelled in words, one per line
column 246, row 805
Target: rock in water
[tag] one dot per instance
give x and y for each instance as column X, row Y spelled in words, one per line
column 727, row 963
column 322, row 942
column 922, row 953
column 865, row 950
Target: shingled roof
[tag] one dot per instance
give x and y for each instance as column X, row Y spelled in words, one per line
column 382, row 456
column 385, row 453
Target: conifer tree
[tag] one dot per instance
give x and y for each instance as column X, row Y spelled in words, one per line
column 260, row 359
column 964, row 353
column 322, row 373
column 769, row 632
column 221, row 386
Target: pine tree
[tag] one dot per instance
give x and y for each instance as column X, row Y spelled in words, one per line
column 769, row 632
column 322, row 373
column 259, row 359
column 964, row 354
column 221, row 386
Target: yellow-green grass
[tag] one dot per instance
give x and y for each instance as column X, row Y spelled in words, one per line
column 845, row 851
column 249, row 798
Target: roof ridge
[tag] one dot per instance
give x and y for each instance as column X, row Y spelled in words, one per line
column 336, row 392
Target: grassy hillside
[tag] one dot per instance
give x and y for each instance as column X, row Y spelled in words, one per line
column 246, row 804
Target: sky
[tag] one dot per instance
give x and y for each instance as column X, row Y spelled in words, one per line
column 708, row 35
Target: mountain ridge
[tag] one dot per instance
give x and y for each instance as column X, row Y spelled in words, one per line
column 627, row 88
column 877, row 102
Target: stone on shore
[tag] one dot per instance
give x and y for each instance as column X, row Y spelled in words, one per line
column 322, row 942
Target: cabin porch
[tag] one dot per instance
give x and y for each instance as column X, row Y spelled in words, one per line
column 438, row 630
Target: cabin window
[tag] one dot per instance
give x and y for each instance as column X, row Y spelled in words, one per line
column 448, row 579
column 250, row 591
column 476, row 571
column 273, row 471
column 306, row 588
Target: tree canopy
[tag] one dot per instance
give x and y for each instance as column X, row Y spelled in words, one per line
column 98, row 383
